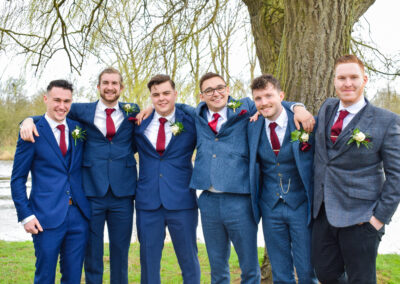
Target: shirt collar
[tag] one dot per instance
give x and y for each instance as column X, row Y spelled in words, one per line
column 223, row 113
column 102, row 106
column 170, row 118
column 354, row 108
column 53, row 124
column 282, row 119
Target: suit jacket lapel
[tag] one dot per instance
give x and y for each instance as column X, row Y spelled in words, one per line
column 178, row 118
column 48, row 134
column 72, row 146
column 324, row 126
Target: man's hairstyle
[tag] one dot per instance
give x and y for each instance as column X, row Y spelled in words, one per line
column 64, row 84
column 111, row 70
column 262, row 81
column 207, row 76
column 159, row 79
column 349, row 58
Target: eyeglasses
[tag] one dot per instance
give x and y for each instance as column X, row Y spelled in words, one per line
column 210, row 91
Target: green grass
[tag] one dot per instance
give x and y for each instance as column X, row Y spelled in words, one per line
column 17, row 265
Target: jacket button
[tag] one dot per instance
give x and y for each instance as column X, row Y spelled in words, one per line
column 214, row 156
column 67, row 192
column 277, row 194
column 160, row 175
column 216, row 139
column 279, row 175
column 278, row 164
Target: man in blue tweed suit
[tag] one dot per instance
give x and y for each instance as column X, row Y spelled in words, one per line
column 356, row 180
column 285, row 183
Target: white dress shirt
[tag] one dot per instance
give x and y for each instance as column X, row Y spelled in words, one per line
column 151, row 132
column 353, row 110
column 100, row 117
column 282, row 122
column 221, row 120
column 53, row 126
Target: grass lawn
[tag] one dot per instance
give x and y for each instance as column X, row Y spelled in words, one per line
column 17, row 265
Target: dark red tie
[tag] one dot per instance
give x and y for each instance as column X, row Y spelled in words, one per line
column 63, row 145
column 338, row 125
column 276, row 146
column 213, row 123
column 160, row 145
column 110, row 124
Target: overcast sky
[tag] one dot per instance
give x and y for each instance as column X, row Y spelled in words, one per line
column 381, row 16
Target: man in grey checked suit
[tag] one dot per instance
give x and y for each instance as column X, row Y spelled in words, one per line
column 356, row 181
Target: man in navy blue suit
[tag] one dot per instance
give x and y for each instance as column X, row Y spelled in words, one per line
column 165, row 142
column 57, row 211
column 285, row 167
column 109, row 175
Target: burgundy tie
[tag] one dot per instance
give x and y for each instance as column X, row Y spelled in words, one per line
column 276, row 146
column 213, row 123
column 160, row 145
column 110, row 124
column 338, row 125
column 63, row 145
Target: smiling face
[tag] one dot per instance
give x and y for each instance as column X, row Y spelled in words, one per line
column 268, row 101
column 214, row 93
column 110, row 88
column 58, row 102
column 163, row 97
column 349, row 83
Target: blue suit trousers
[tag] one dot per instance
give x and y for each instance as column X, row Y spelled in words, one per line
column 67, row 240
column 229, row 218
column 182, row 226
column 118, row 213
column 288, row 240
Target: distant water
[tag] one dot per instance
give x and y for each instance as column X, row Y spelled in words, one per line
column 10, row 230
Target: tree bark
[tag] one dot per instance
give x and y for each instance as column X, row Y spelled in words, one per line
column 298, row 42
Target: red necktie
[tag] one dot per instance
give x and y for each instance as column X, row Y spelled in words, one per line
column 63, row 145
column 213, row 123
column 337, row 126
column 276, row 146
column 110, row 124
column 160, row 145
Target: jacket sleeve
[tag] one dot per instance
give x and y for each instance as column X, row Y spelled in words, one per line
column 23, row 159
column 390, row 194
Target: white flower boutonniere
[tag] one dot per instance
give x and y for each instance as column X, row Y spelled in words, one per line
column 302, row 136
column 128, row 108
column 360, row 138
column 78, row 133
column 177, row 128
column 234, row 104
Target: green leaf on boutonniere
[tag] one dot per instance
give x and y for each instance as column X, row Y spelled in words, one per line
column 128, row 108
column 78, row 133
column 177, row 128
column 234, row 104
column 360, row 138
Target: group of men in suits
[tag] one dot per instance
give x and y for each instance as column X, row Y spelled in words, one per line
column 323, row 194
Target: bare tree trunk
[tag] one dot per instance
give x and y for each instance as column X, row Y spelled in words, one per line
column 298, row 42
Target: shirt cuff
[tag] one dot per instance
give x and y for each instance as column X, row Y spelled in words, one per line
column 27, row 219
column 296, row 104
